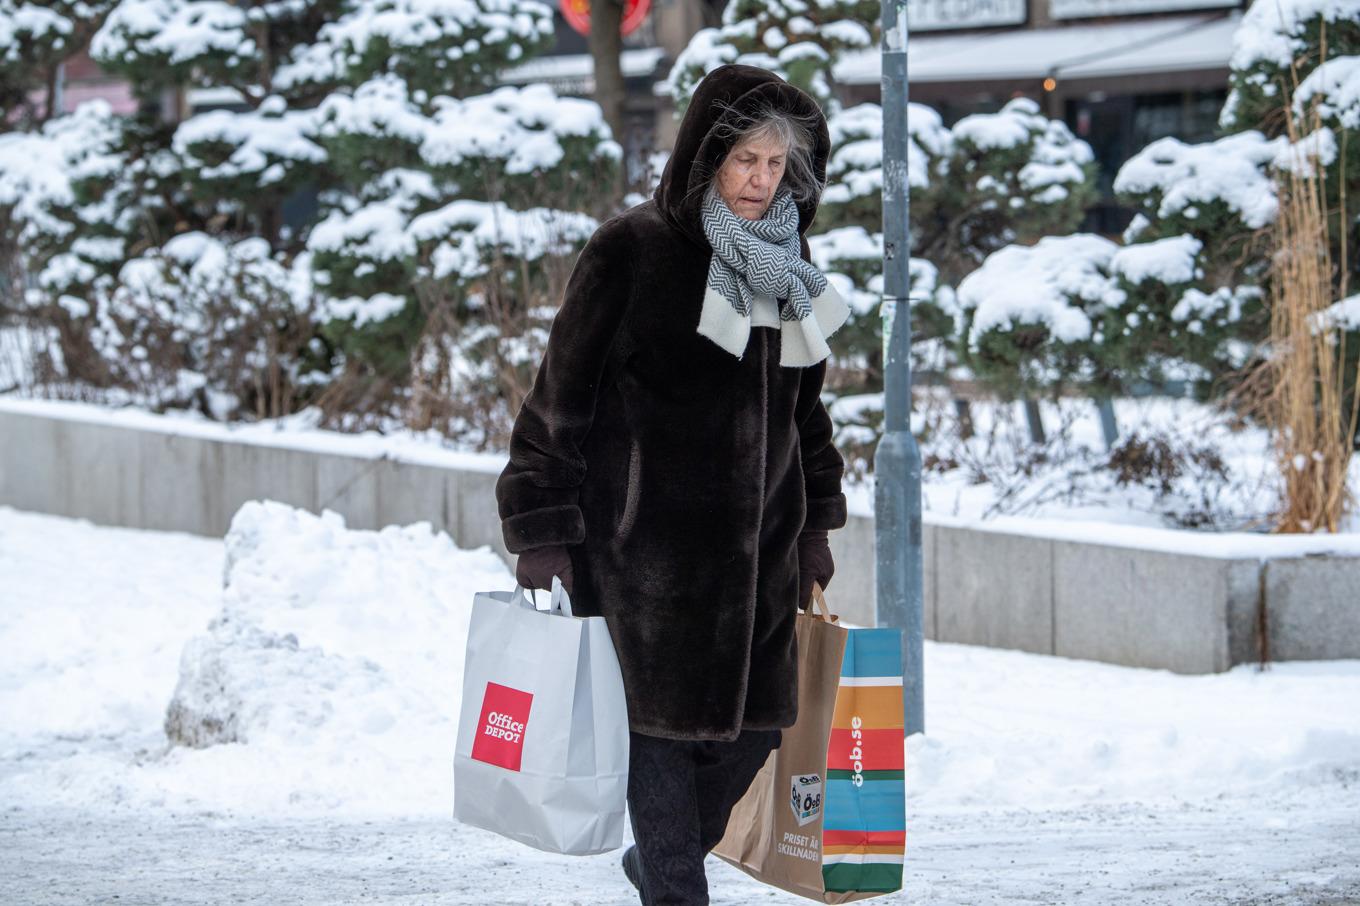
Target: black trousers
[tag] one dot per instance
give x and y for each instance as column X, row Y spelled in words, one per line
column 680, row 794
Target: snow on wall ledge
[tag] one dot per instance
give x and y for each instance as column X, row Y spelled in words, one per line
column 1185, row 601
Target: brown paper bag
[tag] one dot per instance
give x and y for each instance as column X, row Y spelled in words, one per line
column 775, row 831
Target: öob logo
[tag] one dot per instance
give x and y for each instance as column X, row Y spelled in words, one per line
column 500, row 732
column 805, row 797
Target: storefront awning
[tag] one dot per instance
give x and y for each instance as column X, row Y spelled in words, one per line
column 1165, row 44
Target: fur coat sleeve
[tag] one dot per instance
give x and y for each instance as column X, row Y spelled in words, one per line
column 823, row 467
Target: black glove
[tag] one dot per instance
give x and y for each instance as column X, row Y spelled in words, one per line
column 814, row 565
column 537, row 566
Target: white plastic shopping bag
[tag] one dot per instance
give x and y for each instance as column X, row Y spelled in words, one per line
column 542, row 751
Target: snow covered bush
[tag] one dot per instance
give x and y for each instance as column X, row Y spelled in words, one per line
column 1184, row 298
column 993, row 179
column 75, row 198
column 222, row 323
column 1179, row 464
column 1274, row 37
column 456, row 235
column 34, row 39
column 51, row 179
column 1295, row 77
column 1084, row 313
column 420, row 210
column 854, row 171
column 1195, row 258
column 1010, row 177
column 1032, row 312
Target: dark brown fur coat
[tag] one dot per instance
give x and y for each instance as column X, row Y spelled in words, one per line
column 678, row 476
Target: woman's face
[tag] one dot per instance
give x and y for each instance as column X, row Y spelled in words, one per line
column 749, row 176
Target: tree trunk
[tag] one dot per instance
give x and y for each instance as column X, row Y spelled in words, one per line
column 712, row 12
column 606, row 48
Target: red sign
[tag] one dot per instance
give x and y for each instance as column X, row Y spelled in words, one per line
column 577, row 14
column 500, row 732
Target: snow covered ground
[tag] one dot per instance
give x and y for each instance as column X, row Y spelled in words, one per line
column 1041, row 780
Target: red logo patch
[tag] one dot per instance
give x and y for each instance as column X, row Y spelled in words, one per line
column 500, row 732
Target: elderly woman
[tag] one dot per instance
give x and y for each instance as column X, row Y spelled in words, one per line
column 673, row 462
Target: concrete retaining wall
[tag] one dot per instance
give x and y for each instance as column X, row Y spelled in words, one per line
column 1128, row 605
column 139, row 478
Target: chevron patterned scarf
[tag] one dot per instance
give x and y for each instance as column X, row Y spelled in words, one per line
column 752, row 257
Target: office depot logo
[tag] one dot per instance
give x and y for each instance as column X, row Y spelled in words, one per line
column 500, row 732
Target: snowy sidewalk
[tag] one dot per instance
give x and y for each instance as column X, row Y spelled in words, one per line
column 1043, row 780
column 1294, row 851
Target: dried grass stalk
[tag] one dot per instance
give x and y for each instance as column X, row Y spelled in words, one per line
column 1313, row 434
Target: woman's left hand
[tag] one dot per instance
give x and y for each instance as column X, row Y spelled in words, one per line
column 814, row 564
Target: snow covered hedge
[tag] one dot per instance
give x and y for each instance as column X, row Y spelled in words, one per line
column 366, row 159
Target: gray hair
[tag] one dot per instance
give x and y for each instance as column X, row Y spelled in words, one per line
column 794, row 131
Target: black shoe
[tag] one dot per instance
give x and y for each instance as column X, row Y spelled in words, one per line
column 632, row 869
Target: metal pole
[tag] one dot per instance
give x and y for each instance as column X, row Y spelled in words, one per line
column 897, row 460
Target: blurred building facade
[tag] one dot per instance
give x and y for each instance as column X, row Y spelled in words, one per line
column 1119, row 73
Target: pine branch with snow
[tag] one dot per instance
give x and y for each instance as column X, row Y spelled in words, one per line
column 36, row 38
column 797, row 39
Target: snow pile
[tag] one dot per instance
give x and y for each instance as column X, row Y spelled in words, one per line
column 329, row 676
column 334, row 650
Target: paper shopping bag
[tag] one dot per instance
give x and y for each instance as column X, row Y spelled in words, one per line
column 542, row 747
column 826, row 815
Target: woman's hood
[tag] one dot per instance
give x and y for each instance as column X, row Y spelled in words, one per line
column 698, row 150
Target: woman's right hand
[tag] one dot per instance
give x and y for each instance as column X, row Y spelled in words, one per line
column 537, row 566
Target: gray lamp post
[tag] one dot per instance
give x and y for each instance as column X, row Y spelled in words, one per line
column 897, row 460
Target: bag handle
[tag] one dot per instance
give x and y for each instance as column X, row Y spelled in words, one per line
column 520, row 597
column 558, row 603
column 561, row 601
column 818, row 602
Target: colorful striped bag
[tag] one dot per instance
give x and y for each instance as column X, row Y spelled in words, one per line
column 826, row 816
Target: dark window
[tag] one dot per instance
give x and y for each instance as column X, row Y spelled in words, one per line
column 1118, row 127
